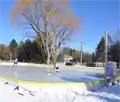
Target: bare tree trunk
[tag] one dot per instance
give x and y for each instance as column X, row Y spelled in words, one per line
column 103, row 64
column 48, row 59
column 55, row 59
column 48, row 62
column 117, row 64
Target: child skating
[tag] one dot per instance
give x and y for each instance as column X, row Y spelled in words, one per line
column 15, row 62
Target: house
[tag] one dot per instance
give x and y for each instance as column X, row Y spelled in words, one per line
column 67, row 58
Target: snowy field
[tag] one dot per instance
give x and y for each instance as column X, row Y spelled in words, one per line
column 58, row 94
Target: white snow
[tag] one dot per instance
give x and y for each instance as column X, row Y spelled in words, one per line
column 44, row 65
column 58, row 94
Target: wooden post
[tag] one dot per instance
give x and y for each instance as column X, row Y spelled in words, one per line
column 106, row 52
column 81, row 55
column 10, row 62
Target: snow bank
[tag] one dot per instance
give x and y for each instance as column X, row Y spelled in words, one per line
column 44, row 65
column 8, row 95
column 58, row 94
column 45, row 94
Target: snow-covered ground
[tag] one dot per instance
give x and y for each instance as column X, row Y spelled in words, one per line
column 58, row 94
column 4, row 63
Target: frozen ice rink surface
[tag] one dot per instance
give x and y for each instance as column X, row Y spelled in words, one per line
column 39, row 74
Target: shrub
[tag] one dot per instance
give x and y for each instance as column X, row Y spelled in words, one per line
column 90, row 64
column 69, row 64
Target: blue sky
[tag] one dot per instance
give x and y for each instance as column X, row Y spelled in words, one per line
column 98, row 15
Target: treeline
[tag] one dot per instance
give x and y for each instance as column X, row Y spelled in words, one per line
column 30, row 51
column 27, row 51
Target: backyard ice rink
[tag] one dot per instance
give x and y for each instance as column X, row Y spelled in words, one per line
column 39, row 74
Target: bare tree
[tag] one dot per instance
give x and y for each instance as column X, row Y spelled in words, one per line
column 52, row 20
column 59, row 37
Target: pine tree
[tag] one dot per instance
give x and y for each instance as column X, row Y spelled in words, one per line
column 100, row 50
column 13, row 48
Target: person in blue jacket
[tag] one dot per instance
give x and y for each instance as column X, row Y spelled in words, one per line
column 16, row 62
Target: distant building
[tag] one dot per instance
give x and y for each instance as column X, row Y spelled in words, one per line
column 67, row 58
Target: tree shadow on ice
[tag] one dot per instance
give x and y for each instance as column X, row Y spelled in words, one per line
column 77, row 79
column 96, row 75
column 88, row 81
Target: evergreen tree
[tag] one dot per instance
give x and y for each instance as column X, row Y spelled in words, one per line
column 114, row 52
column 94, row 59
column 13, row 48
column 30, row 52
column 100, row 50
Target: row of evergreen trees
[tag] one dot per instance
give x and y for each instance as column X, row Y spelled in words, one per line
column 29, row 51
